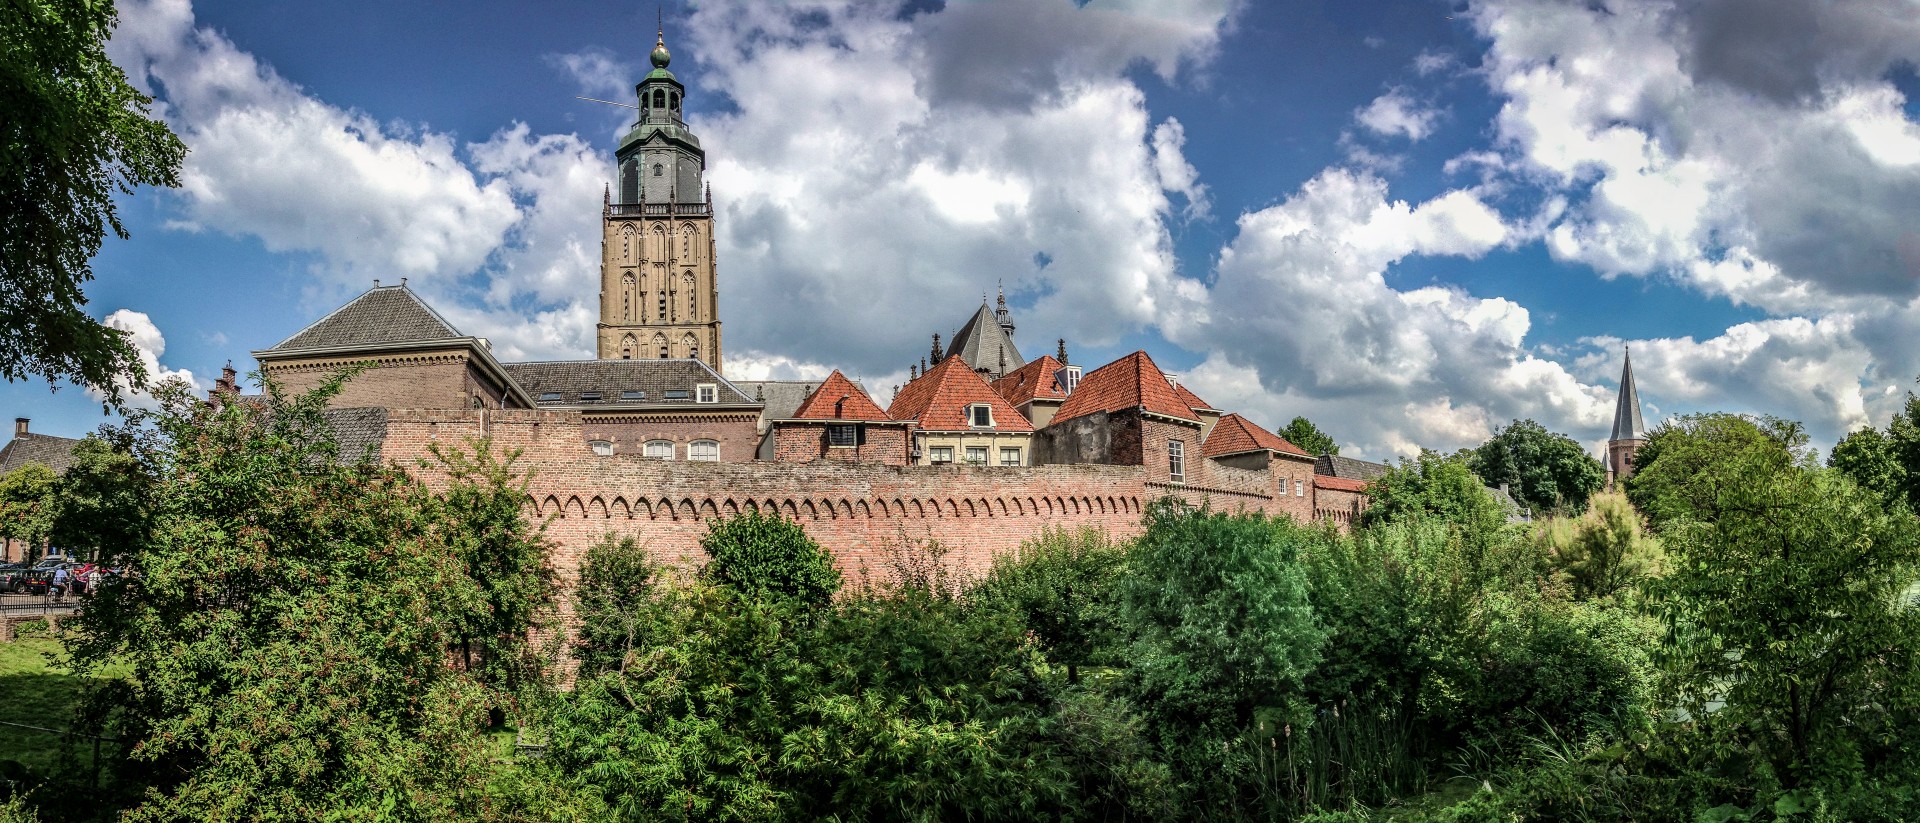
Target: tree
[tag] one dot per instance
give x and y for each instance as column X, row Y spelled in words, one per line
column 1546, row 471
column 1604, row 550
column 76, row 134
column 1433, row 486
column 766, row 555
column 288, row 622
column 1301, row 432
column 27, row 506
column 1685, row 472
column 1887, row 461
column 612, row 600
column 103, row 501
column 1060, row 586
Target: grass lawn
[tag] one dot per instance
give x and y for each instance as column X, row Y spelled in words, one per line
column 35, row 691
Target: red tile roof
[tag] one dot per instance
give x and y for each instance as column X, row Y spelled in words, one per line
column 1237, row 435
column 839, row 399
column 1033, row 381
column 1131, row 381
column 1192, row 400
column 1345, row 484
column 938, row 400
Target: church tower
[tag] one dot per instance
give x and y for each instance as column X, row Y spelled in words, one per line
column 658, row 298
column 1629, row 432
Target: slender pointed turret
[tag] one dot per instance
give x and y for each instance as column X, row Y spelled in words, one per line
column 1629, row 430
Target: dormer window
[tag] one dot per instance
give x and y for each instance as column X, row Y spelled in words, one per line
column 707, row 393
column 980, row 416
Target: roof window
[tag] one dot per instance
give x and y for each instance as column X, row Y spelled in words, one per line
column 676, row 394
column 633, row 395
column 589, row 397
column 549, row 397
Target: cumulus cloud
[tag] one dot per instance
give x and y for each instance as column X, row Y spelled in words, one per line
column 1398, row 114
column 150, row 345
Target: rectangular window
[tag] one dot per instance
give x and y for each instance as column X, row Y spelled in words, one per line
column 980, row 416
column 633, row 395
column 676, row 394
column 976, row 455
column 601, row 447
column 706, row 393
column 589, row 397
column 659, row 450
column 549, row 397
column 940, row 454
column 706, row 450
column 842, row 434
column 1009, row 457
column 1176, row 461
column 1299, row 488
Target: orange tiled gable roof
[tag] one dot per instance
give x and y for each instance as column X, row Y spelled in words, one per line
column 1033, row 381
column 1345, row 484
column 839, row 399
column 1192, row 400
column 1124, row 384
column 1236, row 435
column 938, row 400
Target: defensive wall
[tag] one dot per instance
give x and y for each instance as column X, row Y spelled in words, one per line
column 863, row 512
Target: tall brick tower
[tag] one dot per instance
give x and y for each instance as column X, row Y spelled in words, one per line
column 1629, row 432
column 658, row 298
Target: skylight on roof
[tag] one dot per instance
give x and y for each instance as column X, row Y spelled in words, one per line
column 589, row 397
column 633, row 395
column 676, row 394
column 549, row 397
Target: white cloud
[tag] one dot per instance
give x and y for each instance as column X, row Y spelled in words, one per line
column 1398, row 114
column 149, row 344
column 1176, row 174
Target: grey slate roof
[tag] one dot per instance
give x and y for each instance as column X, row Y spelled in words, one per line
column 572, row 378
column 985, row 346
column 384, row 314
column 1333, row 465
column 1627, row 424
column 358, row 431
column 783, row 397
column 55, row 453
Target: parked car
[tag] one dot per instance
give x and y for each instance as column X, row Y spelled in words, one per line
column 36, row 581
column 10, row 574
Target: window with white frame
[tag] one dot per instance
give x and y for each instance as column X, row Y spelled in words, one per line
column 704, row 450
column 842, row 434
column 1299, row 488
column 658, row 450
column 706, row 393
column 940, row 454
column 1009, row 457
column 1176, row 461
column 976, row 455
column 980, row 416
column 601, row 447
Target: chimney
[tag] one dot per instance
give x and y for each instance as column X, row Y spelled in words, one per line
column 19, row 426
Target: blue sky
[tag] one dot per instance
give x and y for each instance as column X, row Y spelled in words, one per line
column 1410, row 221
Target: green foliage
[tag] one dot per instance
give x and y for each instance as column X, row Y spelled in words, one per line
column 613, row 603
column 75, row 135
column 1060, row 587
column 1786, row 630
column 27, row 498
column 1694, row 466
column 1886, row 462
column 1301, row 432
column 1546, row 471
column 1603, row 551
column 768, row 556
column 289, row 621
column 1435, row 487
column 103, row 501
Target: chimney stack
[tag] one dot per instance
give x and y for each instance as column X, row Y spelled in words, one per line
column 19, row 426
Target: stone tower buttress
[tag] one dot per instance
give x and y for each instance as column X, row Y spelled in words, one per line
column 658, row 294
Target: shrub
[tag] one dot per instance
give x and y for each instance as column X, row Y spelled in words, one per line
column 1060, row 587
column 1602, row 552
column 768, row 556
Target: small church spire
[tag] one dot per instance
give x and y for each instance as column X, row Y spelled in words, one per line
column 1001, row 315
column 1063, row 352
column 936, row 347
column 1629, row 430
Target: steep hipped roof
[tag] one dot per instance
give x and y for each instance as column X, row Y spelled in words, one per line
column 985, row 346
column 839, row 399
column 384, row 314
column 55, row 453
column 938, row 400
column 1034, row 381
column 610, row 379
column 1627, row 424
column 1192, row 400
column 1132, row 381
column 1237, row 435
column 1333, row 465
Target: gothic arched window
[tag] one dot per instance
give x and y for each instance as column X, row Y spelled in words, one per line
column 656, row 169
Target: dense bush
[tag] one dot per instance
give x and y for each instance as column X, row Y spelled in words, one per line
column 768, row 556
column 1061, row 587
